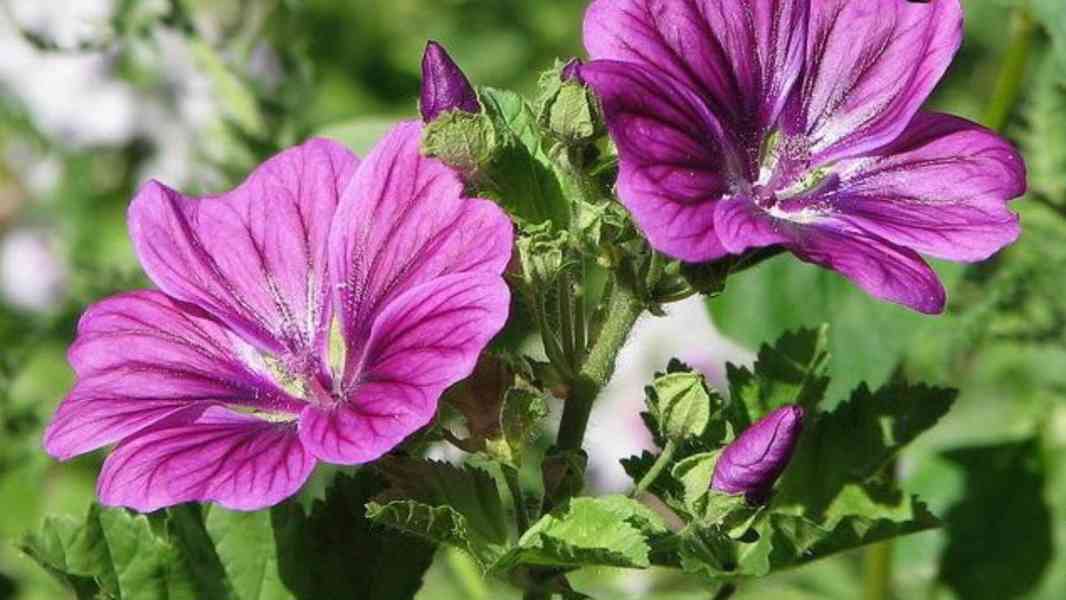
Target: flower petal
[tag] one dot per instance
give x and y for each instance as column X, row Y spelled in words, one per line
column 741, row 225
column 672, row 166
column 403, row 222
column 869, row 67
column 212, row 455
column 942, row 189
column 140, row 357
column 253, row 257
column 424, row 341
column 884, row 270
column 741, row 56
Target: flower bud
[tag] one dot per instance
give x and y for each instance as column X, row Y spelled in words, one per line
column 444, row 86
column 572, row 71
column 754, row 461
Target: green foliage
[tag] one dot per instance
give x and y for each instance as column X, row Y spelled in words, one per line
column 224, row 555
column 868, row 339
column 462, row 507
column 1044, row 137
column 835, row 494
column 607, row 531
column 999, row 536
column 522, row 177
column 792, row 371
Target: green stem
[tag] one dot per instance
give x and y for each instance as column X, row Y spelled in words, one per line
column 521, row 510
column 656, row 469
column 624, row 307
column 536, row 595
column 1008, row 86
column 877, row 572
column 877, row 559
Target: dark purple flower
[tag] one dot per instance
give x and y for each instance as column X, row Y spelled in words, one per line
column 316, row 312
column 444, row 86
column 572, row 71
column 749, row 123
column 754, row 461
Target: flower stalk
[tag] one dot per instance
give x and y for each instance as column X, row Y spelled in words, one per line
column 1011, row 73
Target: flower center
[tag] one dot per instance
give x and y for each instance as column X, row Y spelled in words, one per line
column 788, row 186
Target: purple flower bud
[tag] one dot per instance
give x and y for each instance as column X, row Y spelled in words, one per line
column 572, row 71
column 444, row 86
column 754, row 461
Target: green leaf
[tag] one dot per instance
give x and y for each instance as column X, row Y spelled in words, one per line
column 522, row 174
column 855, row 441
column 253, row 575
column 608, row 531
column 797, row 541
column 867, row 338
column 113, row 554
column 462, row 507
column 74, row 553
column 792, row 371
column 332, row 552
column 999, row 535
column 710, row 552
column 682, row 404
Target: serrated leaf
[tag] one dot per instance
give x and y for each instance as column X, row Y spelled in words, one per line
column 609, row 531
column 853, row 443
column 331, row 552
column 113, row 554
column 798, row 541
column 73, row 552
column 523, row 175
column 445, row 504
column 710, row 552
column 791, row 371
column 682, row 404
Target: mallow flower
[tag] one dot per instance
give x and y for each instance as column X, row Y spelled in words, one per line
column 314, row 313
column 743, row 124
column 753, row 462
column 444, row 85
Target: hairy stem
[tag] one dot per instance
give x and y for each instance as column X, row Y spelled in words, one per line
column 656, row 469
column 1011, row 72
column 624, row 307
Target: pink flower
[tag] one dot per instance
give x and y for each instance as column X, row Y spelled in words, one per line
column 315, row 313
column 745, row 124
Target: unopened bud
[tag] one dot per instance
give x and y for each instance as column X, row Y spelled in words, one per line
column 754, row 461
column 444, row 86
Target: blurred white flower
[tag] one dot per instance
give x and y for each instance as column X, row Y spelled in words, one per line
column 32, row 274
column 73, row 97
column 616, row 430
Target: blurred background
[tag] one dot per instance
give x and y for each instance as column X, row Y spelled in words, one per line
column 96, row 96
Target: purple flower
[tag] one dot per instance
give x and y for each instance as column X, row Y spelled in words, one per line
column 749, row 123
column 314, row 313
column 754, row 461
column 444, row 86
